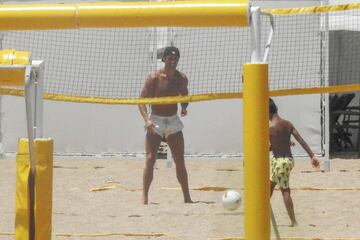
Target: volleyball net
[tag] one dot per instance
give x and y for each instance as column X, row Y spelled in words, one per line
column 314, row 50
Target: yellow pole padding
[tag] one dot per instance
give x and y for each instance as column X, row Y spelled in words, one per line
column 124, row 14
column 256, row 152
column 13, row 76
column 43, row 189
column 13, row 57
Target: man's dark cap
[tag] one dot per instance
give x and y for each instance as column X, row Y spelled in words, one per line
column 171, row 51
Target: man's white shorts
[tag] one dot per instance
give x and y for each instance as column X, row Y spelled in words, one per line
column 165, row 126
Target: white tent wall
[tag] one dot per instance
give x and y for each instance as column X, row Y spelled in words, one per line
column 344, row 50
column 350, row 28
column 344, row 39
column 211, row 128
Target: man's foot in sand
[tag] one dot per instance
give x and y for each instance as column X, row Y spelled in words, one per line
column 145, row 200
column 294, row 224
column 188, row 200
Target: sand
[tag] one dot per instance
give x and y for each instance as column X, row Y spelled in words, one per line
column 327, row 205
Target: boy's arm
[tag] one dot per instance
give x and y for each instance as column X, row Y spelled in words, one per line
column 314, row 160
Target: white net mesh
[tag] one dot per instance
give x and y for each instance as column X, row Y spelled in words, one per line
column 312, row 50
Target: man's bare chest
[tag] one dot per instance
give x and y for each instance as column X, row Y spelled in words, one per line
column 168, row 86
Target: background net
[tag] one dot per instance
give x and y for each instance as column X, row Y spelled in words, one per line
column 309, row 50
column 113, row 63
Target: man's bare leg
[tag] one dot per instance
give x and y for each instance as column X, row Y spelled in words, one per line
column 289, row 205
column 176, row 144
column 152, row 143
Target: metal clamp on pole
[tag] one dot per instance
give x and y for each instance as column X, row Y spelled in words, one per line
column 255, row 24
column 271, row 33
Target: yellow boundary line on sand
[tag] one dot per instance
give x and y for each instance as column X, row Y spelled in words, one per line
column 124, row 234
column 132, row 234
column 288, row 238
column 218, row 188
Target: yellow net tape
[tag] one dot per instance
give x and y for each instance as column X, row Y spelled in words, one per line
column 194, row 98
column 129, row 101
column 312, row 10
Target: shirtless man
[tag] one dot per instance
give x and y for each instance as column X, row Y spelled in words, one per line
column 282, row 161
column 163, row 121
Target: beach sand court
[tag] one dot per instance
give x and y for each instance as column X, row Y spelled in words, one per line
column 101, row 199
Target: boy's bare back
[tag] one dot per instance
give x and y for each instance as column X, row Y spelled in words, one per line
column 281, row 131
column 280, row 135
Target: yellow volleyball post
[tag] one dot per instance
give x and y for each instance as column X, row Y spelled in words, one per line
column 256, row 152
column 43, row 152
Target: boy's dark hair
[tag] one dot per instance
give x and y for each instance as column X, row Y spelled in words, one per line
column 272, row 107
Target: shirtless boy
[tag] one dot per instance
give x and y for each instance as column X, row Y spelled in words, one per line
column 282, row 161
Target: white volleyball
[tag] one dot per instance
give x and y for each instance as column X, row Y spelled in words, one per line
column 231, row 200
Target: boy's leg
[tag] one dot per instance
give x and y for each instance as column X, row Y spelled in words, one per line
column 289, row 205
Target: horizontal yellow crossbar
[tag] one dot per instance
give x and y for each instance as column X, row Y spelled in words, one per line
column 124, row 14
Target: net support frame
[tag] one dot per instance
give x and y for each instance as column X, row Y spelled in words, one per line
column 33, row 94
column 34, row 105
column 325, row 103
column 33, row 89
